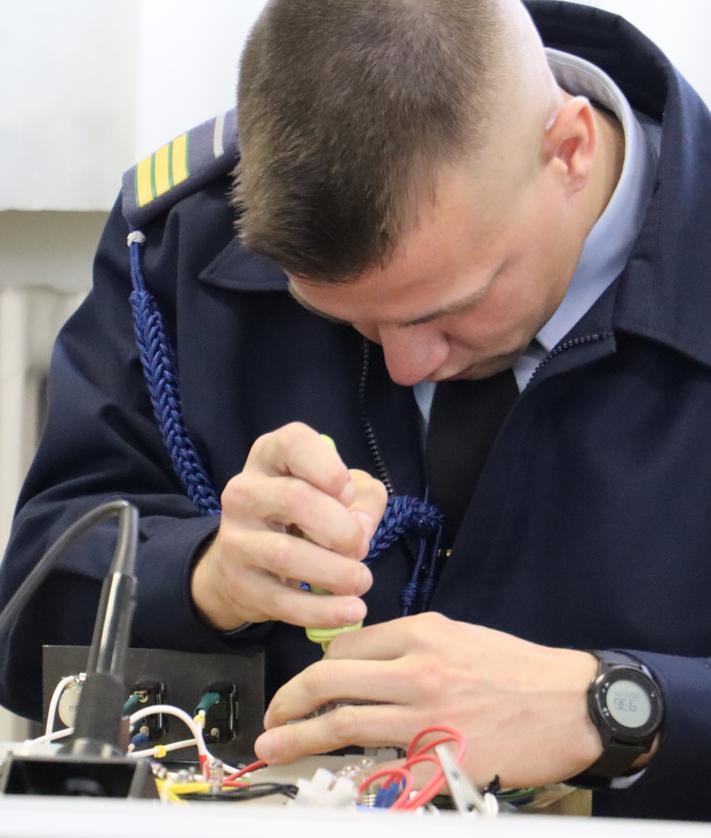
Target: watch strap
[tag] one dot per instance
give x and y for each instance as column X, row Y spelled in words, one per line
column 615, row 761
column 607, row 659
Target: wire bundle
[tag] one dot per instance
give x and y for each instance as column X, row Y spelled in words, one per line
column 219, row 781
column 407, row 799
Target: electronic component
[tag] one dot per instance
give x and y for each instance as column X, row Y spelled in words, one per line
column 326, row 789
column 68, row 703
column 183, row 678
column 146, row 694
column 221, row 716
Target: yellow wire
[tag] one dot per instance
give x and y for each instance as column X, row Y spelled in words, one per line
column 175, row 790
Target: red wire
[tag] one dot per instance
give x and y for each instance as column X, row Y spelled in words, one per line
column 416, row 755
column 430, row 788
column 451, row 735
column 253, row 766
column 404, row 802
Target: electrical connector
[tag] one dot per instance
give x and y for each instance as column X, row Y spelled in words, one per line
column 146, row 694
column 219, row 703
column 207, row 700
column 386, row 796
column 324, row 789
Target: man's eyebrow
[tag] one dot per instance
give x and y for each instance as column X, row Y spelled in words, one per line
column 451, row 308
column 444, row 311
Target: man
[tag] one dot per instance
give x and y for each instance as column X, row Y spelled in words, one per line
column 425, row 173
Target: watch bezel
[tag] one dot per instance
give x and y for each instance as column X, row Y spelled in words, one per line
column 597, row 694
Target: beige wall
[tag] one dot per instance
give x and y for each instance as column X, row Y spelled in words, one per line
column 45, row 269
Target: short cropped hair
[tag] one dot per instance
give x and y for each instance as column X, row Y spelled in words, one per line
column 345, row 110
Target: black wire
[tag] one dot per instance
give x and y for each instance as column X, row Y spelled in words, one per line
column 127, row 516
column 251, row 792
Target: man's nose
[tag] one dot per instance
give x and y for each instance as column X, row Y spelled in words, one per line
column 412, row 353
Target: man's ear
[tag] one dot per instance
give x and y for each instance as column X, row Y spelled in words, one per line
column 570, row 141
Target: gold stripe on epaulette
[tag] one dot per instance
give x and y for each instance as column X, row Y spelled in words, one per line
column 143, row 182
column 180, row 159
column 162, row 170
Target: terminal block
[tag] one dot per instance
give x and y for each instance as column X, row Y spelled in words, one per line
column 144, row 694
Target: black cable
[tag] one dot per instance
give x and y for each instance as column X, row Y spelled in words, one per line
column 97, row 727
column 251, row 792
column 126, row 544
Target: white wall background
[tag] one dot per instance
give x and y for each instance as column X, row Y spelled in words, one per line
column 91, row 86
column 98, row 84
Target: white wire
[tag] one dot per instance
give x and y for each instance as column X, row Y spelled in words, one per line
column 50, row 737
column 228, row 769
column 172, row 746
column 54, row 702
column 196, row 728
column 169, row 710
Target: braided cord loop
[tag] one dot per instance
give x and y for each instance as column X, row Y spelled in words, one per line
column 158, row 365
column 404, row 515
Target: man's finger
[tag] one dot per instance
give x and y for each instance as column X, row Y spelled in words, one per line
column 365, row 725
column 370, row 682
column 382, row 641
column 290, row 557
column 370, row 500
column 252, row 499
column 300, row 608
column 298, row 450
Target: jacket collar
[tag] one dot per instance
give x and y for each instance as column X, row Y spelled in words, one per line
column 663, row 293
column 237, row 269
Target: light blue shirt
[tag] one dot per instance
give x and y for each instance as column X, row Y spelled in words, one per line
column 608, row 245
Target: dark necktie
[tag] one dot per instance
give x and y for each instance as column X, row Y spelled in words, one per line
column 464, row 421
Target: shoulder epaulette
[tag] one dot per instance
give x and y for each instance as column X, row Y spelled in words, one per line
column 178, row 168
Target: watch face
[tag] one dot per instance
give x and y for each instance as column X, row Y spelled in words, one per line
column 629, row 702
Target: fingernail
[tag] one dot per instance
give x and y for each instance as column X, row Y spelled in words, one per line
column 355, row 611
column 366, row 578
column 264, row 747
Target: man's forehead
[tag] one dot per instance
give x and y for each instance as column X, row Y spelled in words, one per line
column 445, row 260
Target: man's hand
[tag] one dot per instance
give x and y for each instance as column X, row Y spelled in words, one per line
column 293, row 478
column 520, row 706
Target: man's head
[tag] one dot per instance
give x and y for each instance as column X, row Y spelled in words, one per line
column 414, row 168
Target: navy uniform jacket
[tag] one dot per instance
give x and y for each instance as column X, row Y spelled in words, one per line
column 591, row 524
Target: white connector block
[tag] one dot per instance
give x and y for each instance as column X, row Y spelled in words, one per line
column 324, row 789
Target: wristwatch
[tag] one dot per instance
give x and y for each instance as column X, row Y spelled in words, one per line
column 626, row 707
